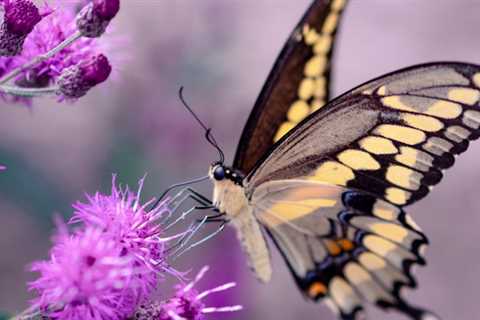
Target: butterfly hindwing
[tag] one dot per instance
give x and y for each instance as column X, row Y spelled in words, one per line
column 391, row 137
column 297, row 85
column 343, row 246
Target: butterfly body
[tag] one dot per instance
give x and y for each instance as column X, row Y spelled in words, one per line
column 230, row 199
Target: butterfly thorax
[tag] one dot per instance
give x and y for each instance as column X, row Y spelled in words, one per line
column 229, row 198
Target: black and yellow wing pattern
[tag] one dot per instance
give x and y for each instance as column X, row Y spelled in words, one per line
column 331, row 191
column 297, row 85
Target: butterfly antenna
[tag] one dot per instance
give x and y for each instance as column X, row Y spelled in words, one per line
column 208, row 131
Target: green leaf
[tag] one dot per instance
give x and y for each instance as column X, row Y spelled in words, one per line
column 4, row 316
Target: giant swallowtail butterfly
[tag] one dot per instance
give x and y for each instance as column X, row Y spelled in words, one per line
column 328, row 181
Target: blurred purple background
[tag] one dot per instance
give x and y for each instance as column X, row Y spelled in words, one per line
column 221, row 51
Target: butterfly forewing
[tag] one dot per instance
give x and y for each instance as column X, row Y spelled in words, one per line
column 297, row 85
column 391, row 137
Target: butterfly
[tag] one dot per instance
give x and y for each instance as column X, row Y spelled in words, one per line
column 328, row 181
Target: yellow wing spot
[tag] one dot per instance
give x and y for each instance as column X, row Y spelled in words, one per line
column 330, row 23
column 457, row 133
column 437, row 146
column 382, row 91
column 390, row 231
column 315, row 66
column 464, row 95
column 320, row 87
column 323, row 44
column 397, row 196
column 444, row 109
column 332, row 247
column 358, row 160
column 310, row 35
column 476, row 79
column 346, row 244
column 379, row 245
column 317, row 104
column 317, row 289
column 471, row 118
column 284, row 128
column 422, row 122
column 404, row 177
column 395, row 102
column 333, row 172
column 298, row 111
column 415, row 158
column 289, row 211
column 338, row 5
column 385, row 210
column 399, row 133
column 306, row 89
column 378, row 145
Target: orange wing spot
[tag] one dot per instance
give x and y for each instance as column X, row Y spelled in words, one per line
column 333, row 248
column 346, row 244
column 317, row 289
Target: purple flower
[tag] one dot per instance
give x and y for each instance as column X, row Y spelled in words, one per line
column 2, row 167
column 110, row 264
column 76, row 81
column 54, row 28
column 87, row 277
column 93, row 19
column 186, row 304
column 130, row 223
column 20, row 18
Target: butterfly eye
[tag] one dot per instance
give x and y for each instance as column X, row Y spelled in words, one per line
column 219, row 173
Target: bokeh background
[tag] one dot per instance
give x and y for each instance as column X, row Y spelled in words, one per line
column 221, row 51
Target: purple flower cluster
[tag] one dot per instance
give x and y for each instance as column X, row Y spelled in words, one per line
column 185, row 304
column 110, row 265
column 29, row 32
column 105, row 268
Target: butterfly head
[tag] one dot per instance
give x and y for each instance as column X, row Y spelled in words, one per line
column 218, row 172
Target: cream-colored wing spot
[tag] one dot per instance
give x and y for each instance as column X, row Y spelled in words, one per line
column 298, row 111
column 385, row 210
column 378, row 145
column 283, row 130
column 397, row 196
column 404, row 177
column 358, row 160
column 464, row 95
column 306, row 89
column 425, row 123
column 476, row 79
column 437, row 146
column 382, row 270
column 388, row 249
column 400, row 133
column 323, row 44
column 415, row 158
column 426, row 105
column 457, row 133
column 333, row 172
column 471, row 118
column 343, row 295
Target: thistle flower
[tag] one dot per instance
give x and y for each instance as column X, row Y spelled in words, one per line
column 76, row 81
column 20, row 18
column 93, row 19
column 134, row 225
column 87, row 277
column 186, row 304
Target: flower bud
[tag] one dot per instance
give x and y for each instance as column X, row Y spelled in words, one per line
column 20, row 18
column 94, row 18
column 74, row 82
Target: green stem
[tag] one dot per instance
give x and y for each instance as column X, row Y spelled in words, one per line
column 28, row 92
column 39, row 59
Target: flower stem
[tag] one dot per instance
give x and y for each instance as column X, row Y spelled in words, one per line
column 39, row 59
column 27, row 92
